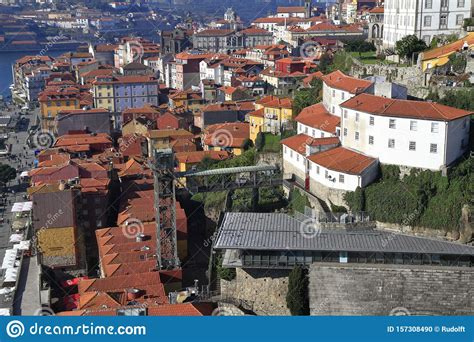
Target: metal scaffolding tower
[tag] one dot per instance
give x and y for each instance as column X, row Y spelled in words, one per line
column 165, row 204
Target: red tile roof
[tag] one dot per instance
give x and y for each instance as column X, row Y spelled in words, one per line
column 343, row 160
column 227, row 134
column 198, row 156
column 404, row 108
column 316, row 116
column 299, row 142
column 339, row 80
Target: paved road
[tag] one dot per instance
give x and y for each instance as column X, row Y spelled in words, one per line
column 21, row 158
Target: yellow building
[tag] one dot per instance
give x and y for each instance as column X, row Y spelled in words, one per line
column 139, row 126
column 271, row 115
column 54, row 100
column 440, row 56
column 230, row 137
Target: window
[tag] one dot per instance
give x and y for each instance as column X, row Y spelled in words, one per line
column 306, row 130
column 326, row 174
column 341, row 178
column 371, row 121
column 459, row 19
column 413, row 125
column 297, row 157
column 322, row 134
column 342, row 95
column 392, row 124
column 333, row 93
column 333, row 110
column 285, row 150
column 444, row 3
column 345, row 113
column 428, row 4
column 356, row 135
column 427, row 21
column 391, row 143
column 433, row 148
column 443, row 20
column 313, row 132
column 434, row 127
column 317, row 169
column 412, row 146
column 371, row 140
column 345, row 132
column 464, row 123
column 357, row 117
column 291, row 153
column 461, row 3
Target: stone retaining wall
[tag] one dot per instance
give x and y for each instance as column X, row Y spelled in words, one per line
column 353, row 289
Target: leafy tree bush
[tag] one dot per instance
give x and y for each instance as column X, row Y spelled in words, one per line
column 423, row 198
column 459, row 98
column 359, row 46
column 410, row 45
column 223, row 273
column 7, row 173
column 298, row 201
column 337, row 208
column 259, row 141
column 307, row 97
column 297, row 299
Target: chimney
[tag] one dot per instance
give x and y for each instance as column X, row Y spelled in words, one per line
column 132, row 294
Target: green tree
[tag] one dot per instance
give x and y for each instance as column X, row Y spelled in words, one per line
column 324, row 63
column 297, row 299
column 7, row 173
column 259, row 141
column 307, row 97
column 409, row 45
column 359, row 46
column 459, row 98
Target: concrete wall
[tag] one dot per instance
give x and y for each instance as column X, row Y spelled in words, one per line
column 264, row 291
column 326, row 194
column 378, row 289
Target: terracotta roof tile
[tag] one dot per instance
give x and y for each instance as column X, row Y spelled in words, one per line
column 339, row 80
column 299, row 142
column 404, row 108
column 343, row 160
column 316, row 116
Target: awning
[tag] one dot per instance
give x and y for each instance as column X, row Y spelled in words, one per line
column 11, row 274
column 19, row 207
column 9, row 258
column 23, row 245
column 16, row 237
column 4, row 312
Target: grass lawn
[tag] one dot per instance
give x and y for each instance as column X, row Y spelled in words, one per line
column 366, row 57
column 271, row 143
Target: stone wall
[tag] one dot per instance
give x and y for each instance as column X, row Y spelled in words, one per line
column 411, row 77
column 352, row 289
column 326, row 194
column 262, row 291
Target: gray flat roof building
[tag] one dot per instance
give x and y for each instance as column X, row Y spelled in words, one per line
column 275, row 240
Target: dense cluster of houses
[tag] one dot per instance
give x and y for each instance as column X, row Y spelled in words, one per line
column 110, row 106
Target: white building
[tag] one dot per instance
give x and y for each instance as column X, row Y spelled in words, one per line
column 417, row 134
column 384, row 128
column 297, row 149
column 317, row 122
column 424, row 18
column 338, row 88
